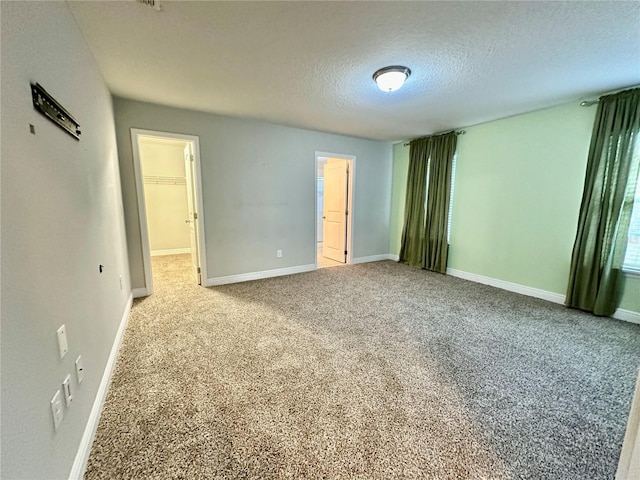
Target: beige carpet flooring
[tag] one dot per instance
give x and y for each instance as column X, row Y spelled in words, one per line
column 373, row 371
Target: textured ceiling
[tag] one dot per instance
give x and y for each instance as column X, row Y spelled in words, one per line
column 309, row 64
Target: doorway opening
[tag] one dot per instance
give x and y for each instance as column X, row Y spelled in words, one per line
column 168, row 183
column 334, row 208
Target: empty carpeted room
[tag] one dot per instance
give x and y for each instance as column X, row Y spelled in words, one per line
column 317, row 239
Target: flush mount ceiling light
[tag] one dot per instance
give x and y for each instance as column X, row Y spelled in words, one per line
column 391, row 78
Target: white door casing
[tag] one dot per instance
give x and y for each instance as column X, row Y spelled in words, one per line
column 189, row 163
column 196, row 184
column 334, row 211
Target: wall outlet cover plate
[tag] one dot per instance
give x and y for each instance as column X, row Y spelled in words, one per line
column 62, row 341
column 79, row 368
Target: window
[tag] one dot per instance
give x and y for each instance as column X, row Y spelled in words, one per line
column 632, row 255
column 453, row 177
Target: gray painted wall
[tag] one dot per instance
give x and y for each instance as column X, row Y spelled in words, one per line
column 259, row 188
column 61, row 217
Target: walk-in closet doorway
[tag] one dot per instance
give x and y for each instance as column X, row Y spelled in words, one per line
column 168, row 182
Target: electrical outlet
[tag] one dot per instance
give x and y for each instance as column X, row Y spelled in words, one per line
column 279, row 253
column 62, row 341
column 66, row 388
column 79, row 369
column 56, row 409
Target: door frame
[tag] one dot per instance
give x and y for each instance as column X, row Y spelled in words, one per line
column 351, row 162
column 136, row 133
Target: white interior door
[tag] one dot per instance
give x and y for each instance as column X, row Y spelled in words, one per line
column 334, row 210
column 193, row 214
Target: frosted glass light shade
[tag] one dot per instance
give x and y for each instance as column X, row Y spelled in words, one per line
column 390, row 79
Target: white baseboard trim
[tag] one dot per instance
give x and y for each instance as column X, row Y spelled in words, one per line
column 84, row 449
column 512, row 287
column 627, row 316
column 171, row 251
column 245, row 277
column 139, row 292
column 619, row 314
column 373, row 258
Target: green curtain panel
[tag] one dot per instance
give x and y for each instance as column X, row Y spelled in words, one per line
column 607, row 200
column 412, row 246
column 424, row 236
column 441, row 151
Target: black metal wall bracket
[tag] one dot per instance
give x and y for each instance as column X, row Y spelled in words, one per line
column 50, row 108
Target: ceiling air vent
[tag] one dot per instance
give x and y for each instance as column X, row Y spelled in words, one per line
column 152, row 3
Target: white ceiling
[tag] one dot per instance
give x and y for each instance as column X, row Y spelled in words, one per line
column 309, row 64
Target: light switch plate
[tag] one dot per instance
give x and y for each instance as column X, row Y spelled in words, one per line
column 66, row 388
column 56, row 409
column 62, row 341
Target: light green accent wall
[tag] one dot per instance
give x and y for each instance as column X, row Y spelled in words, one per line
column 631, row 295
column 399, row 188
column 517, row 195
column 518, row 190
